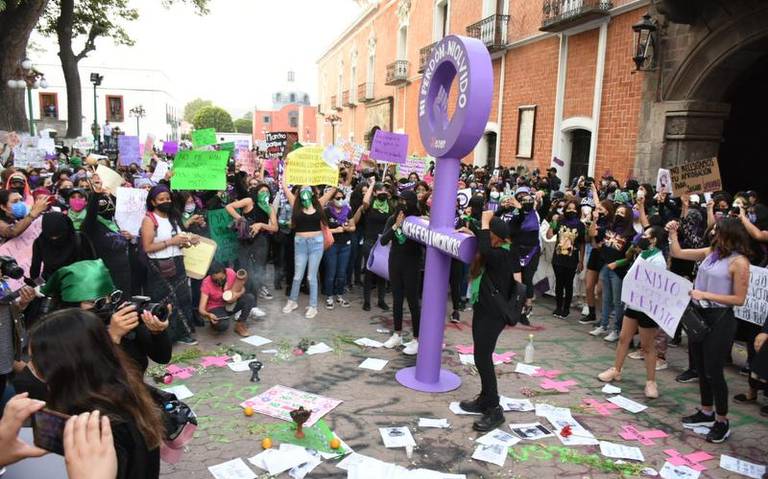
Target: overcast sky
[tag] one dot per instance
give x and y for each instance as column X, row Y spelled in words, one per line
column 236, row 56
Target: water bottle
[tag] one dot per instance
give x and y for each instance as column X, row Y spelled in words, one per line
column 528, row 358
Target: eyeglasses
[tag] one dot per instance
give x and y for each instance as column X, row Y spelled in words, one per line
column 113, row 298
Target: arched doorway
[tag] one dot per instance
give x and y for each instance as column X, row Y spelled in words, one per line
column 485, row 152
column 574, row 154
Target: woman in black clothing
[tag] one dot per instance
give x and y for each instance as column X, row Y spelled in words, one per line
column 58, row 245
column 568, row 258
column 524, row 225
column 404, row 264
column 83, row 370
column 494, row 271
column 375, row 211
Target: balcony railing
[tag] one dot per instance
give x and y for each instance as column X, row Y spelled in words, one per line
column 397, row 73
column 336, row 102
column 492, row 31
column 559, row 15
column 424, row 54
column 365, row 92
column 348, row 98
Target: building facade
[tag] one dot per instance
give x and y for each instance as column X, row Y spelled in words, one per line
column 567, row 92
column 291, row 111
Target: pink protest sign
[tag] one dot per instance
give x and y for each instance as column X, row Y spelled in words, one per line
column 602, row 408
column 504, row 357
column 20, row 248
column 465, row 349
column 631, row 433
column 214, row 361
column 246, row 161
column 279, row 401
column 559, row 386
column 389, row 147
column 691, row 460
column 178, row 372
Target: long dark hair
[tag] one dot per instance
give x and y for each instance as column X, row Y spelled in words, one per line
column 297, row 208
column 174, row 216
column 731, row 237
column 5, row 196
column 84, row 370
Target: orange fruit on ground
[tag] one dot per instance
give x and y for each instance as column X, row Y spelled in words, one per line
column 248, row 411
column 266, row 443
column 335, row 443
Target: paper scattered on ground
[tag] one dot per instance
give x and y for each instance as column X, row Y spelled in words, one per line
column 700, row 430
column 498, row 359
column 240, row 366
column 182, row 392
column 319, row 348
column 373, row 364
column 439, row 423
column 740, row 466
column 628, row 404
column 620, row 451
column 430, row 474
column 256, row 340
column 269, row 351
column 467, row 359
column 528, row 369
column 214, row 361
column 369, row 343
column 545, row 410
column 497, row 436
column 456, row 409
column 234, row 469
column 516, row 405
column 300, row 471
column 276, row 461
column 494, row 453
column 611, row 389
column 278, row 401
column 178, row 372
column 396, row 436
column 670, row 471
column 531, row 431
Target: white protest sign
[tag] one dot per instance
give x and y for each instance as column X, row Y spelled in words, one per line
column 110, row 179
column 161, row 169
column 130, row 208
column 755, row 308
column 656, row 292
column 664, row 182
column 463, row 197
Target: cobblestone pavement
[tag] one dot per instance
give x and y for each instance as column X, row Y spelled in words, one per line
column 375, row 399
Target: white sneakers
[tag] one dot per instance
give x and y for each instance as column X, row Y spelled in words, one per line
column 257, row 313
column 394, row 341
column 598, row 331
column 411, row 348
column 290, row 306
column 612, row 337
column 311, row 312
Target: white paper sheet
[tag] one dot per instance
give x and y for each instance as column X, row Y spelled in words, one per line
column 396, row 436
column 160, row 170
column 369, row 343
column 356, row 459
column 468, row 359
column 439, row 423
column 454, row 407
column 528, row 369
column 497, row 436
column 628, row 404
column 620, row 451
column 373, row 364
column 234, row 469
column 319, row 348
column 547, row 410
column 740, row 466
column 670, row 471
column 516, row 405
column 302, row 470
column 430, row 474
column 269, row 351
column 611, row 389
column 256, row 340
column 276, row 461
column 531, row 431
column 182, row 392
column 494, row 453
column 240, row 366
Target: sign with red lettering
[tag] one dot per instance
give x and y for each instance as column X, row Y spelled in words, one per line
column 697, row 177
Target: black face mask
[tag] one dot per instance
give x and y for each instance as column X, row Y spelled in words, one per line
column 527, row 207
column 381, row 196
column 601, row 215
column 165, row 207
column 64, row 192
column 643, row 243
column 571, row 215
column 620, row 221
column 611, row 189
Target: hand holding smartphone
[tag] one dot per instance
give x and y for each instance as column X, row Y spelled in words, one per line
column 48, row 430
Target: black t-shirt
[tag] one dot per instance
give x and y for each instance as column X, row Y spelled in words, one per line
column 374, row 223
column 568, row 245
column 333, row 223
column 614, row 246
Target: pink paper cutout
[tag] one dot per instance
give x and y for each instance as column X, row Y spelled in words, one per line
column 602, row 408
column 559, row 386
column 691, row 460
column 465, row 349
column 631, row 433
column 504, row 357
column 215, row 361
column 179, row 372
column 547, row 373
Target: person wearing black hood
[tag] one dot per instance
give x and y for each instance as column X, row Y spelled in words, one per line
column 494, row 271
column 404, row 263
column 375, row 211
column 568, row 257
column 57, row 246
column 524, row 225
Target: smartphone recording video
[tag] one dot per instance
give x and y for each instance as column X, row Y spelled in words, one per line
column 48, row 430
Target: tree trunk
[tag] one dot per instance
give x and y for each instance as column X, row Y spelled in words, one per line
column 74, row 92
column 16, row 24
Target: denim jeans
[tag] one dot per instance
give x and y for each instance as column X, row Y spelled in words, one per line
column 335, row 262
column 612, row 306
column 307, row 253
column 253, row 258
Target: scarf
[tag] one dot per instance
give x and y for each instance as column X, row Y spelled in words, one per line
column 341, row 215
column 262, row 201
column 649, row 252
column 109, row 224
column 475, row 285
column 77, row 217
column 382, row 206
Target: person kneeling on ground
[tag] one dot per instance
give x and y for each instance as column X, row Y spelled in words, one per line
column 220, row 300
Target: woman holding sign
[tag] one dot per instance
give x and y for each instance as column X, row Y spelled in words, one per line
column 721, row 283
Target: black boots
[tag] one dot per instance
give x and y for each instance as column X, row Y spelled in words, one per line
column 491, row 419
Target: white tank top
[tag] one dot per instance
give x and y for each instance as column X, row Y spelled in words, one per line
column 164, row 232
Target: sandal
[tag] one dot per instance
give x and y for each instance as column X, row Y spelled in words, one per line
column 742, row 398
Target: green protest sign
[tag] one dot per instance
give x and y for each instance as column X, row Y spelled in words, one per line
column 225, row 238
column 200, row 170
column 203, row 137
column 229, row 146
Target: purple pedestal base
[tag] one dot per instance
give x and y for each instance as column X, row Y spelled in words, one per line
column 447, row 381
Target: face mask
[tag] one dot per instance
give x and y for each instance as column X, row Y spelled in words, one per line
column 77, row 204
column 189, row 208
column 611, row 189
column 495, row 195
column 306, row 199
column 338, row 203
column 64, row 192
column 620, row 220
column 19, row 190
column 570, row 215
column 381, row 196
column 220, row 282
column 559, row 211
column 19, row 210
column 601, row 215
column 165, row 207
column 527, row 207
column 643, row 243
column 34, row 179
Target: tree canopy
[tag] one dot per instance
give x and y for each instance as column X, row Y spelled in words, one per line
column 213, row 117
column 191, row 108
column 243, row 125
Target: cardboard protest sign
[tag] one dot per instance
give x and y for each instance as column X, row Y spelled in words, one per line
column 226, row 239
column 463, row 196
column 664, row 182
column 278, row 401
column 413, row 164
column 128, row 150
column 47, row 144
column 28, row 153
column 701, row 176
column 389, row 147
column 198, row 258
column 110, row 179
column 660, row 294
column 170, row 147
column 204, row 137
column 306, row 166
column 755, row 308
column 200, row 170
column 333, row 155
column 130, row 208
column 20, row 248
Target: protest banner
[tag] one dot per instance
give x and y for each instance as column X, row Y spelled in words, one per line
column 660, row 294
column 200, row 170
column 198, row 258
column 47, row 144
column 245, row 161
column 698, row 177
column 228, row 146
column 20, row 249
column 204, row 137
column 128, row 150
column 664, row 182
column 110, row 179
column 226, row 239
column 306, row 166
column 333, row 155
column 389, row 147
column 463, row 196
column 413, row 164
column 130, row 208
column 83, row 143
column 278, row 402
column 170, row 147
column 161, row 169
column 149, row 149
column 755, row 308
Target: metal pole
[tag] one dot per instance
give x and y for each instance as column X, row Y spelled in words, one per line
column 96, row 136
column 31, row 115
column 138, row 131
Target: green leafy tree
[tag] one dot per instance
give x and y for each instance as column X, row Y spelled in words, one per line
column 191, row 108
column 244, row 125
column 213, row 117
column 70, row 20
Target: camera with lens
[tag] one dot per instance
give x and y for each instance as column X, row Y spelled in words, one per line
column 9, row 268
column 143, row 303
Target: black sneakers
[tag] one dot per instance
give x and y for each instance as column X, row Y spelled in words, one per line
column 590, row 318
column 687, row 376
column 490, row 420
column 455, row 317
column 699, row 419
column 719, row 432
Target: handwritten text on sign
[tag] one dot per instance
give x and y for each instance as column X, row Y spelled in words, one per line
column 306, row 166
column 389, row 147
column 656, row 292
column 696, row 177
column 200, row 170
column 204, row 137
column 755, row 309
column 128, row 147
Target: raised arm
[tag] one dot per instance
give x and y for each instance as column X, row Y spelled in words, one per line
column 323, row 200
column 753, row 230
column 288, row 193
column 237, row 205
column 677, row 252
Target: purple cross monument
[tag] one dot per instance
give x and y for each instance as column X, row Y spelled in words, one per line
column 447, row 139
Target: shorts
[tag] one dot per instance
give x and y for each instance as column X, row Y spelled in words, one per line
column 595, row 261
column 643, row 320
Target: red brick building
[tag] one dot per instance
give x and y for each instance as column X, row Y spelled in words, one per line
column 291, row 111
column 565, row 83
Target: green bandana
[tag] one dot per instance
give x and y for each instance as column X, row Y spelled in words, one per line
column 262, row 201
column 81, row 281
column 77, row 217
column 475, row 285
column 382, row 206
column 75, row 161
column 306, row 198
column 400, row 236
column 111, row 225
column 649, row 252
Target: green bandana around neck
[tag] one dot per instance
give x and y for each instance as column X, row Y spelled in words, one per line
column 649, row 252
column 109, row 224
column 262, row 201
column 306, row 198
column 382, row 206
column 475, row 285
column 77, row 218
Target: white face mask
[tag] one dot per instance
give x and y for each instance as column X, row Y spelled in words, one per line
column 495, row 195
column 189, row 208
column 338, row 203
